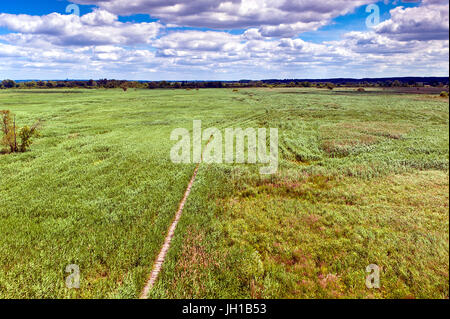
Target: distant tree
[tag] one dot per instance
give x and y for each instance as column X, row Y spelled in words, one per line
column 112, row 84
column 306, row 84
column 8, row 84
column 152, row 85
column 163, row 84
column 133, row 84
column 397, row 83
column 91, row 83
column 330, row 86
column 124, row 86
column 214, row 84
column 102, row 82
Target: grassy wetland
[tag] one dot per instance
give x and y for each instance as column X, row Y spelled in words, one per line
column 363, row 179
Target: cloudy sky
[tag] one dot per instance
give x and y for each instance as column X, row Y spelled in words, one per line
column 222, row 39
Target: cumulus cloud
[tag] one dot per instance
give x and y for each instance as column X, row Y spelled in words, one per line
column 371, row 44
column 358, row 52
column 7, row 50
column 217, row 55
column 96, row 28
column 429, row 21
column 198, row 41
column 97, row 44
column 282, row 18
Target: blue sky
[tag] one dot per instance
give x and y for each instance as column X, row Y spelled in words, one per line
column 222, row 40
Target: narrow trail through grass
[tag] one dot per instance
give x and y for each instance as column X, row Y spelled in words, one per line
column 166, row 246
column 171, row 233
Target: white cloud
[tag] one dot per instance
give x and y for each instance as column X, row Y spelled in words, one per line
column 96, row 28
column 281, row 18
column 7, row 50
column 379, row 53
column 427, row 22
column 99, row 45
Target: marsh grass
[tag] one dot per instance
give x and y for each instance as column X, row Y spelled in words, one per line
column 363, row 179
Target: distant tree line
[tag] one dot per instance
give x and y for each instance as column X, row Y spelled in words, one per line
column 330, row 84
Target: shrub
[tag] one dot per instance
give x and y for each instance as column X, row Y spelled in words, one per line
column 26, row 134
column 9, row 139
column 361, row 90
column 10, row 135
column 444, row 94
column 330, row 86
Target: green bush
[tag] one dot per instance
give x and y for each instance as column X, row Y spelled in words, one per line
column 26, row 134
column 444, row 94
column 11, row 132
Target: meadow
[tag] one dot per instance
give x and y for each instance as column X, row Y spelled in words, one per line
column 363, row 179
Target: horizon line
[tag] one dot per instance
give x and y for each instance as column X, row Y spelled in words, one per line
column 268, row 79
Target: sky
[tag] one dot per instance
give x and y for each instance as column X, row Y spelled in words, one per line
column 223, row 39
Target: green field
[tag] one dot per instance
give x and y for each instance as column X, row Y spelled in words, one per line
column 363, row 179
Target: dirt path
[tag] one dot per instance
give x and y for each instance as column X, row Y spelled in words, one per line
column 165, row 248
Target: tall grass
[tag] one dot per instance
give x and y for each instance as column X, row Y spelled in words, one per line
column 363, row 179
